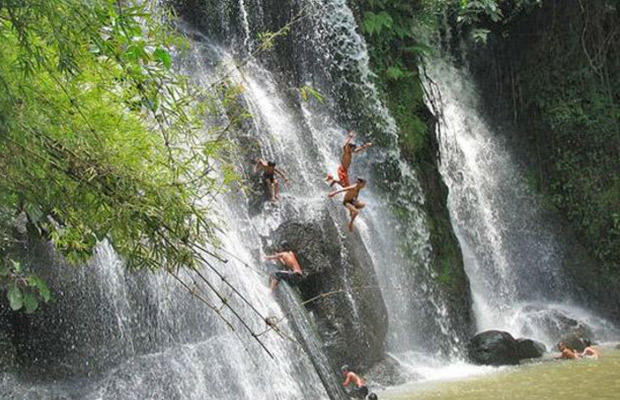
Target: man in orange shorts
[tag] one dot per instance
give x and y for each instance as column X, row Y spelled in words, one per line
column 348, row 149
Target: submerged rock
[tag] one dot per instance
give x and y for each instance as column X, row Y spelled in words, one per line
column 528, row 348
column 493, row 348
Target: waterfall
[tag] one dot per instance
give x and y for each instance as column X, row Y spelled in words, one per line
column 115, row 334
column 513, row 252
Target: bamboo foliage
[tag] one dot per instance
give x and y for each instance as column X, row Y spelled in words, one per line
column 100, row 134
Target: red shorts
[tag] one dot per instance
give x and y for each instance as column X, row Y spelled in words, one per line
column 343, row 176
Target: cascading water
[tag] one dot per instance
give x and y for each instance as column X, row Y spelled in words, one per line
column 512, row 255
column 144, row 336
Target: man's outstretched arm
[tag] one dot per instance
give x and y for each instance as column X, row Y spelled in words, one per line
column 363, row 147
column 276, row 256
column 345, row 189
column 259, row 163
column 277, row 171
column 350, row 135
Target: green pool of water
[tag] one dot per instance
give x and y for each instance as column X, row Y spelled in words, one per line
column 558, row 379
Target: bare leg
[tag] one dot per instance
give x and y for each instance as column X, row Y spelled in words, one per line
column 331, row 180
column 353, row 213
column 272, row 190
column 276, row 189
column 273, row 283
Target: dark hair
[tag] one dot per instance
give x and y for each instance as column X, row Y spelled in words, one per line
column 284, row 245
column 271, row 163
column 361, row 180
column 372, row 396
column 352, row 145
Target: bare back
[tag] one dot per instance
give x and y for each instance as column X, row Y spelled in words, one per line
column 353, row 378
column 289, row 259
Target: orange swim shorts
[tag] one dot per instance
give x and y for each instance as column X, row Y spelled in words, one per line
column 343, row 176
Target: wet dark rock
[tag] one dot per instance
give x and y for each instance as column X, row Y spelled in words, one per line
column 554, row 323
column 389, row 372
column 528, row 348
column 248, row 152
column 493, row 348
column 346, row 303
column 577, row 340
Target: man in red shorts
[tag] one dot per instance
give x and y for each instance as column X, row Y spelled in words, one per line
column 348, row 149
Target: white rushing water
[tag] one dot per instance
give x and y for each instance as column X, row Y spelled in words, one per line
column 513, row 257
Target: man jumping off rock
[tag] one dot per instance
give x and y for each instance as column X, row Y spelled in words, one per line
column 348, row 149
column 350, row 200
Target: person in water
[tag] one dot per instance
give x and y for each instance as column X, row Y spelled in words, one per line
column 348, row 149
column 350, row 200
column 288, row 258
column 566, row 353
column 269, row 176
column 591, row 352
column 359, row 390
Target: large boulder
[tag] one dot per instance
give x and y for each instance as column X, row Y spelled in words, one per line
column 577, row 340
column 341, row 290
column 389, row 372
column 528, row 348
column 493, row 348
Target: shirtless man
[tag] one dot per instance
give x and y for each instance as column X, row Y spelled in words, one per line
column 269, row 176
column 348, row 149
column 350, row 200
column 591, row 352
column 567, row 354
column 360, row 390
column 288, row 258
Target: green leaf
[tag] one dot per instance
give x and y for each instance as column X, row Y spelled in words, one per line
column 39, row 284
column 17, row 266
column 34, row 212
column 374, row 23
column 14, row 294
column 30, row 303
column 307, row 91
column 163, row 56
column 396, row 73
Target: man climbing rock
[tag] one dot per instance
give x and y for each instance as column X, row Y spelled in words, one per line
column 269, row 177
column 288, row 258
column 348, row 149
column 350, row 200
column 359, row 389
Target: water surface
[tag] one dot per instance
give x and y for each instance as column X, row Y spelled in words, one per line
column 548, row 380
